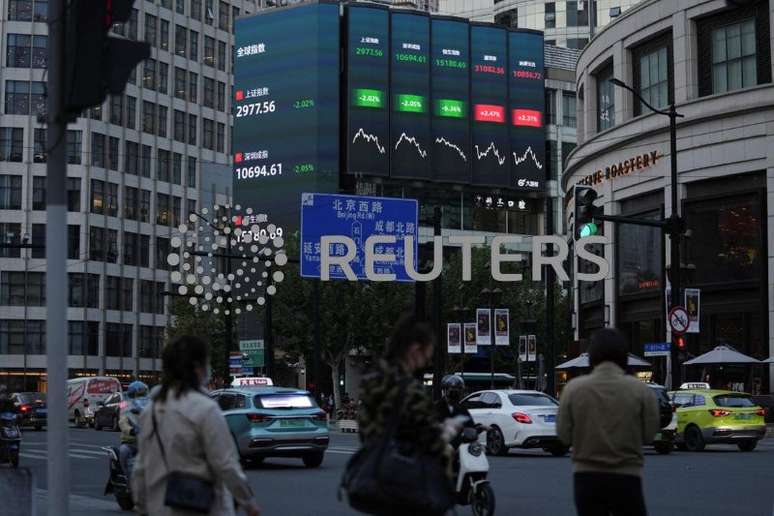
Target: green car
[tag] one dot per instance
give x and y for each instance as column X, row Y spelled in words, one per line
column 275, row 422
column 706, row 416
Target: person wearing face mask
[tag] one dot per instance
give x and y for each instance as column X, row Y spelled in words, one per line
column 396, row 382
column 183, row 435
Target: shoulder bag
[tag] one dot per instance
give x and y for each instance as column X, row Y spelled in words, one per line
column 184, row 491
column 388, row 477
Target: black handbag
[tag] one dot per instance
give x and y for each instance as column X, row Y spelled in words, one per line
column 184, row 491
column 387, row 476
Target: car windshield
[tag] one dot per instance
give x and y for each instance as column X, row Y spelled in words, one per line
column 32, row 397
column 661, row 393
column 733, row 400
column 532, row 400
column 284, row 401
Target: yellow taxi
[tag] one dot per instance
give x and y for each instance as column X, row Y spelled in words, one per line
column 707, row 416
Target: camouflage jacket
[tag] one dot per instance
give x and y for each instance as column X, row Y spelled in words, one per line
column 419, row 422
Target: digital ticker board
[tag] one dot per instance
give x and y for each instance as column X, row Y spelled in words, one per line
column 368, row 84
column 286, row 109
column 450, row 88
column 410, row 95
column 527, row 103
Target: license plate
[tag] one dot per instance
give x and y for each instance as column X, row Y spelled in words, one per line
column 291, row 423
column 550, row 419
column 743, row 416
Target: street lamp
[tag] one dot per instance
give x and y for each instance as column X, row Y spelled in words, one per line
column 674, row 226
column 493, row 298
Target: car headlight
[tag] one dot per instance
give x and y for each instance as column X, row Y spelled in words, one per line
column 475, row 449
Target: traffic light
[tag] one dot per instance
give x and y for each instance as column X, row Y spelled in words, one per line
column 680, row 342
column 98, row 64
column 585, row 212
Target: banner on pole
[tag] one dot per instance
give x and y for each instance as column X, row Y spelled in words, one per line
column 522, row 348
column 693, row 306
column 470, row 338
column 531, row 348
column 454, row 338
column 483, row 327
column 502, row 327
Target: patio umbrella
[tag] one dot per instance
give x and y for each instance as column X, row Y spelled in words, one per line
column 723, row 355
column 582, row 362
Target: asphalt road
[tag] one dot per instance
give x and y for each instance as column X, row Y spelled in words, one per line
column 718, row 482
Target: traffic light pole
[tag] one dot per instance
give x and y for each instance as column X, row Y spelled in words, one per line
column 674, row 239
column 58, row 501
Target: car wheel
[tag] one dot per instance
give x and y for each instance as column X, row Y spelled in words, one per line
column 693, row 439
column 495, row 443
column 313, row 460
column 557, row 450
column 663, row 448
column 748, row 445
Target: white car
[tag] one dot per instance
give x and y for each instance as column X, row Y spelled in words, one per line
column 517, row 419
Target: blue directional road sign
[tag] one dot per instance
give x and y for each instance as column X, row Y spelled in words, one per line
column 657, row 349
column 357, row 217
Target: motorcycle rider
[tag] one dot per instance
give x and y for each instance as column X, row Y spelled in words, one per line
column 128, row 422
column 6, row 404
column 448, row 407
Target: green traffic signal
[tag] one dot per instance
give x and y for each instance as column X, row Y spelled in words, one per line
column 589, row 229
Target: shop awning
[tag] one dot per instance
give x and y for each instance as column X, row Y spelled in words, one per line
column 723, row 355
column 582, row 362
column 769, row 360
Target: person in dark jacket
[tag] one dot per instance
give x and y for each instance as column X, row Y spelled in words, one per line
column 449, row 406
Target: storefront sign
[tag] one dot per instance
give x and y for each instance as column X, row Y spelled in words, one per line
column 622, row 168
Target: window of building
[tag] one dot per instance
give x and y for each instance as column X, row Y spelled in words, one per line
column 73, row 194
column 98, row 150
column 117, row 109
column 208, row 134
column 164, row 35
column 113, row 153
column 175, row 211
column 508, row 19
column 178, row 132
column 191, row 206
column 149, row 343
column 11, row 144
column 552, row 160
column 97, row 244
column 209, row 51
column 144, row 250
column 550, row 15
column 162, row 209
column 18, row 51
column 16, row 339
column 145, row 161
column 132, row 157
column 39, row 145
column 209, row 12
column 131, row 32
column 83, row 337
column 162, row 126
column 162, row 251
column 193, row 87
column 38, row 241
column 17, row 97
column 15, row 292
column 163, row 165
column 605, row 99
column 209, row 92
column 151, row 31
column 652, row 75
column 130, row 202
column 163, row 77
column 97, row 196
column 192, row 129
column 148, row 117
column 147, row 296
column 577, row 13
column 131, row 111
column 221, row 138
column 74, row 242
column 10, row 232
column 180, row 83
column 638, row 256
column 191, row 172
column 193, row 45
column 177, row 169
column 112, row 292
column 221, row 96
column 221, row 56
column 10, row 192
column 180, row 6
column 84, row 290
column 569, row 111
column 181, row 40
column 38, row 192
column 577, row 43
column 734, row 50
column 111, row 246
column 118, row 340
column 550, row 106
column 149, row 74
column 145, row 207
column 223, row 16
column 196, row 9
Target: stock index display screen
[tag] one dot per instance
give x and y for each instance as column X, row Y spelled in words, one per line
column 368, row 83
column 450, row 95
column 286, row 109
column 410, row 95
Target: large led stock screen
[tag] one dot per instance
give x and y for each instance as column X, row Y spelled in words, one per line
column 527, row 103
column 286, row 109
column 450, row 92
column 368, row 84
column 410, row 95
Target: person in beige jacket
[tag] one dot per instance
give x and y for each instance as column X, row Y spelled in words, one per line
column 195, row 438
column 606, row 417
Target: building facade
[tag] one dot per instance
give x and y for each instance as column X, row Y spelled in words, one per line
column 136, row 167
column 713, row 61
column 567, row 23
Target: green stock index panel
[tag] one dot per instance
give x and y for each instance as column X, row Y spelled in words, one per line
column 418, row 97
column 286, row 109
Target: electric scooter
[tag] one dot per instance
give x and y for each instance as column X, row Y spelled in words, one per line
column 472, row 485
column 118, row 482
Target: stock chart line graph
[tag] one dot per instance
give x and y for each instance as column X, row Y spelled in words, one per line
column 412, row 140
column 528, row 153
column 369, row 138
column 495, row 152
column 443, row 141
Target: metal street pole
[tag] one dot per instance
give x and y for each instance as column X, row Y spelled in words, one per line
column 674, row 237
column 491, row 343
column 56, row 266
column 439, row 360
column 317, row 349
column 550, row 281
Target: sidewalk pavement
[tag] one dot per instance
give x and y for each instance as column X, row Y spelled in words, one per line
column 79, row 505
